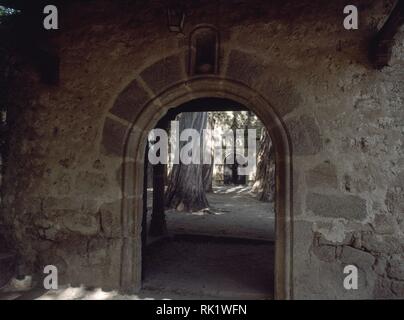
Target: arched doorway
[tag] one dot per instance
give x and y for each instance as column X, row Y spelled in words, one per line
column 133, row 173
column 230, row 175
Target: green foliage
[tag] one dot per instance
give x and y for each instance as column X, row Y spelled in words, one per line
column 235, row 119
column 7, row 11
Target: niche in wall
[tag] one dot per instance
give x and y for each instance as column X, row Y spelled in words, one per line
column 204, row 51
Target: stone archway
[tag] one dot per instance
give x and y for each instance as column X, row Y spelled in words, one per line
column 133, row 148
column 228, row 170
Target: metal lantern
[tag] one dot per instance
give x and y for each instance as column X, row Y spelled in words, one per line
column 176, row 18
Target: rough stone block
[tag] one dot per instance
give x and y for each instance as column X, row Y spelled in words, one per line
column 395, row 200
column 111, row 219
column 395, row 268
column 359, row 185
column 323, row 241
column 382, row 289
column 380, row 265
column 305, row 136
column 359, row 258
column 63, row 184
column 85, row 224
column 163, row 73
column 398, row 288
column 113, row 137
column 325, row 253
column 244, row 67
column 130, row 101
column 348, row 207
column 322, row 176
column 94, row 181
column 53, row 234
column 381, row 244
column 97, row 251
column 384, row 224
column 282, row 94
column 303, row 236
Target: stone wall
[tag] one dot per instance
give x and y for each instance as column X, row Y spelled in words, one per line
column 63, row 185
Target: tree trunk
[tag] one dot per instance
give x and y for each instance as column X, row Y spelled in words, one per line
column 264, row 185
column 207, row 169
column 234, row 166
column 185, row 191
column 207, row 172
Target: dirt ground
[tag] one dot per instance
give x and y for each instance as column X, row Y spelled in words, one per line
column 233, row 212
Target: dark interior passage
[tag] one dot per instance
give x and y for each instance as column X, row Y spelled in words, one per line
column 210, row 267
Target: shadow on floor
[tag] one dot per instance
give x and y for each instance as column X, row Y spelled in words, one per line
column 210, row 267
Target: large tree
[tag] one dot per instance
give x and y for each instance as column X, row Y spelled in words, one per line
column 207, row 169
column 185, row 190
column 264, row 185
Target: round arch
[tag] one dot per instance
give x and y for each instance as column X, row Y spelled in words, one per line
column 133, row 172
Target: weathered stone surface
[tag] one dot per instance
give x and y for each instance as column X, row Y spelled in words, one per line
column 380, row 265
column 395, row 199
column 50, row 256
column 359, row 258
column 306, row 275
column 7, row 267
column 303, row 236
column 323, row 175
column 325, row 253
column 163, row 73
column 63, row 184
column 130, row 101
column 82, row 223
column 111, row 219
column 357, row 240
column 323, row 241
column 113, row 137
column 91, row 181
column 364, row 183
column 305, row 135
column 52, row 233
column 97, row 251
column 382, row 289
column 282, row 94
column 348, row 207
column 244, row 67
column 398, row 288
column 395, row 268
column 381, row 244
column 384, row 224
